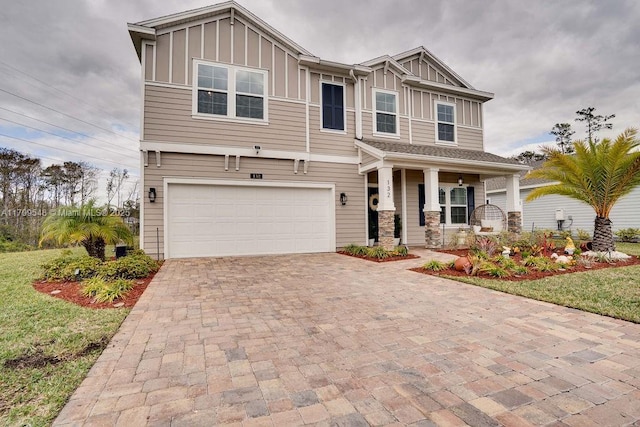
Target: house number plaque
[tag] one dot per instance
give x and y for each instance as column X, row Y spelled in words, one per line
column 256, row 176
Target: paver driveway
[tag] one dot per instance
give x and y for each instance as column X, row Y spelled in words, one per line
column 331, row 340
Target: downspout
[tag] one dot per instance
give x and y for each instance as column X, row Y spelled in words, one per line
column 357, row 103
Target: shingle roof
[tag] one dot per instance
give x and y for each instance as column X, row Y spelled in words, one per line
column 439, row 151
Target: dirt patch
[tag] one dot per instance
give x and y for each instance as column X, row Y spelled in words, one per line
column 392, row 258
column 70, row 291
column 532, row 274
column 36, row 358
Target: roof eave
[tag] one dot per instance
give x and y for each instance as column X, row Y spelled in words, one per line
column 138, row 33
column 422, row 49
column 321, row 64
column 427, row 84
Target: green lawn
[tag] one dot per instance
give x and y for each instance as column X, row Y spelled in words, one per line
column 612, row 292
column 60, row 336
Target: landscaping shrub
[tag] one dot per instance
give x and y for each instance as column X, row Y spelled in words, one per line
column 484, row 246
column 355, row 250
column 434, row 265
column 135, row 266
column 628, row 234
column 64, row 267
column 12, row 246
column 583, row 234
column 378, row 252
column 106, row 291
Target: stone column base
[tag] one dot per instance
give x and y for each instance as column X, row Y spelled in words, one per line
column 386, row 227
column 432, row 235
column 514, row 222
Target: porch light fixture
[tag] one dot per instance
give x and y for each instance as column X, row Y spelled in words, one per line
column 460, row 181
column 152, row 195
column 343, row 199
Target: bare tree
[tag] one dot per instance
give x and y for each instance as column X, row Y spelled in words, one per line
column 115, row 183
column 595, row 123
column 563, row 133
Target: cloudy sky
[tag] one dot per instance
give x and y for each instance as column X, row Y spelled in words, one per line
column 70, row 78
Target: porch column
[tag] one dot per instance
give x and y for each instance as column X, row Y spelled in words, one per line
column 386, row 208
column 514, row 209
column 432, row 237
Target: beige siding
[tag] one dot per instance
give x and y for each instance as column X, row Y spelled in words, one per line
column 469, row 138
column 303, row 84
column 423, row 132
column 279, row 71
column 162, row 58
column 148, row 63
column 350, row 94
column 210, row 41
column 238, row 43
column 168, row 118
column 367, row 159
column 253, row 46
column 315, row 88
column 350, row 219
column 179, row 51
column 292, row 73
column 329, row 142
column 195, row 40
column 415, row 232
column 224, row 55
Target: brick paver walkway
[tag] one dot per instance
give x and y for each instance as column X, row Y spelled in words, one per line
column 330, row 340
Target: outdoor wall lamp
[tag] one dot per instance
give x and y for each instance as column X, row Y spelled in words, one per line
column 343, row 199
column 460, row 181
column 152, row 195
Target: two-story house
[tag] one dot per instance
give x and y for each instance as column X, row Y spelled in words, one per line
column 252, row 145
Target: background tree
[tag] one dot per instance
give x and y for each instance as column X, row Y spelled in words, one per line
column 115, row 184
column 594, row 123
column 529, row 157
column 599, row 174
column 563, row 133
column 89, row 225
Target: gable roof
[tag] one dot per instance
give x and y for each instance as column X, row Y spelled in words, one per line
column 423, row 52
column 147, row 29
column 500, row 183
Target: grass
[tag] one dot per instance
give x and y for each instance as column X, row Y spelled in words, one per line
column 613, row 292
column 46, row 345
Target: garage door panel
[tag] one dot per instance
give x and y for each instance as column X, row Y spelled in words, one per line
column 217, row 220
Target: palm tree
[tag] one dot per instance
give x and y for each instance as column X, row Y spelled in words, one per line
column 598, row 174
column 91, row 226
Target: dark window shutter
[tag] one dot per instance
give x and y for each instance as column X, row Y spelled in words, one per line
column 421, row 204
column 471, row 202
column 332, row 107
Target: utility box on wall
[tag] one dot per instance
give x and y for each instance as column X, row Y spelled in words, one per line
column 559, row 214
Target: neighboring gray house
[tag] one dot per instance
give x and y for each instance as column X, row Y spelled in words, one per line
column 542, row 212
column 251, row 145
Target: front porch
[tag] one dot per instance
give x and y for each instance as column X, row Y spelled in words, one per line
column 432, row 189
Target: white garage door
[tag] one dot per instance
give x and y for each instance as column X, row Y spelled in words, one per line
column 220, row 220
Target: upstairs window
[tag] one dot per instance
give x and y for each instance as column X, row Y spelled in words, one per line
column 332, row 106
column 446, row 122
column 226, row 91
column 386, row 112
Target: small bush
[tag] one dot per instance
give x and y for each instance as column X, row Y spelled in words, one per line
column 64, row 267
column 628, row 234
column 135, row 266
column 12, row 246
column 355, row 250
column 485, row 244
column 434, row 265
column 583, row 234
column 401, row 251
column 378, row 252
column 520, row 270
column 494, row 270
column 505, row 262
column 106, row 291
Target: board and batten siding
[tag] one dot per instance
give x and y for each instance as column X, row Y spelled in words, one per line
column 167, row 117
column 350, row 220
column 540, row 213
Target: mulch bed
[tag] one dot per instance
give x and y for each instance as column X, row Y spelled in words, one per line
column 393, row 258
column 70, row 291
column 532, row 275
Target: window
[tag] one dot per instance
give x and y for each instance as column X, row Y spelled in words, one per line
column 446, row 122
column 332, row 106
column 455, row 203
column 227, row 91
column 386, row 112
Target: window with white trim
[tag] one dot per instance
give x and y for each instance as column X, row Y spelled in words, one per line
column 386, row 112
column 453, row 205
column 445, row 122
column 228, row 91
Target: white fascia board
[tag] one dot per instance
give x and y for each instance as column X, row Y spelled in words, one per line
column 139, row 33
column 526, row 187
column 318, row 63
column 369, row 149
column 427, row 84
column 386, row 58
column 203, row 12
column 172, row 147
column 451, row 161
column 435, row 59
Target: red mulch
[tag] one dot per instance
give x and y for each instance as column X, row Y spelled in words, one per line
column 70, row 291
column 393, row 258
column 532, row 275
